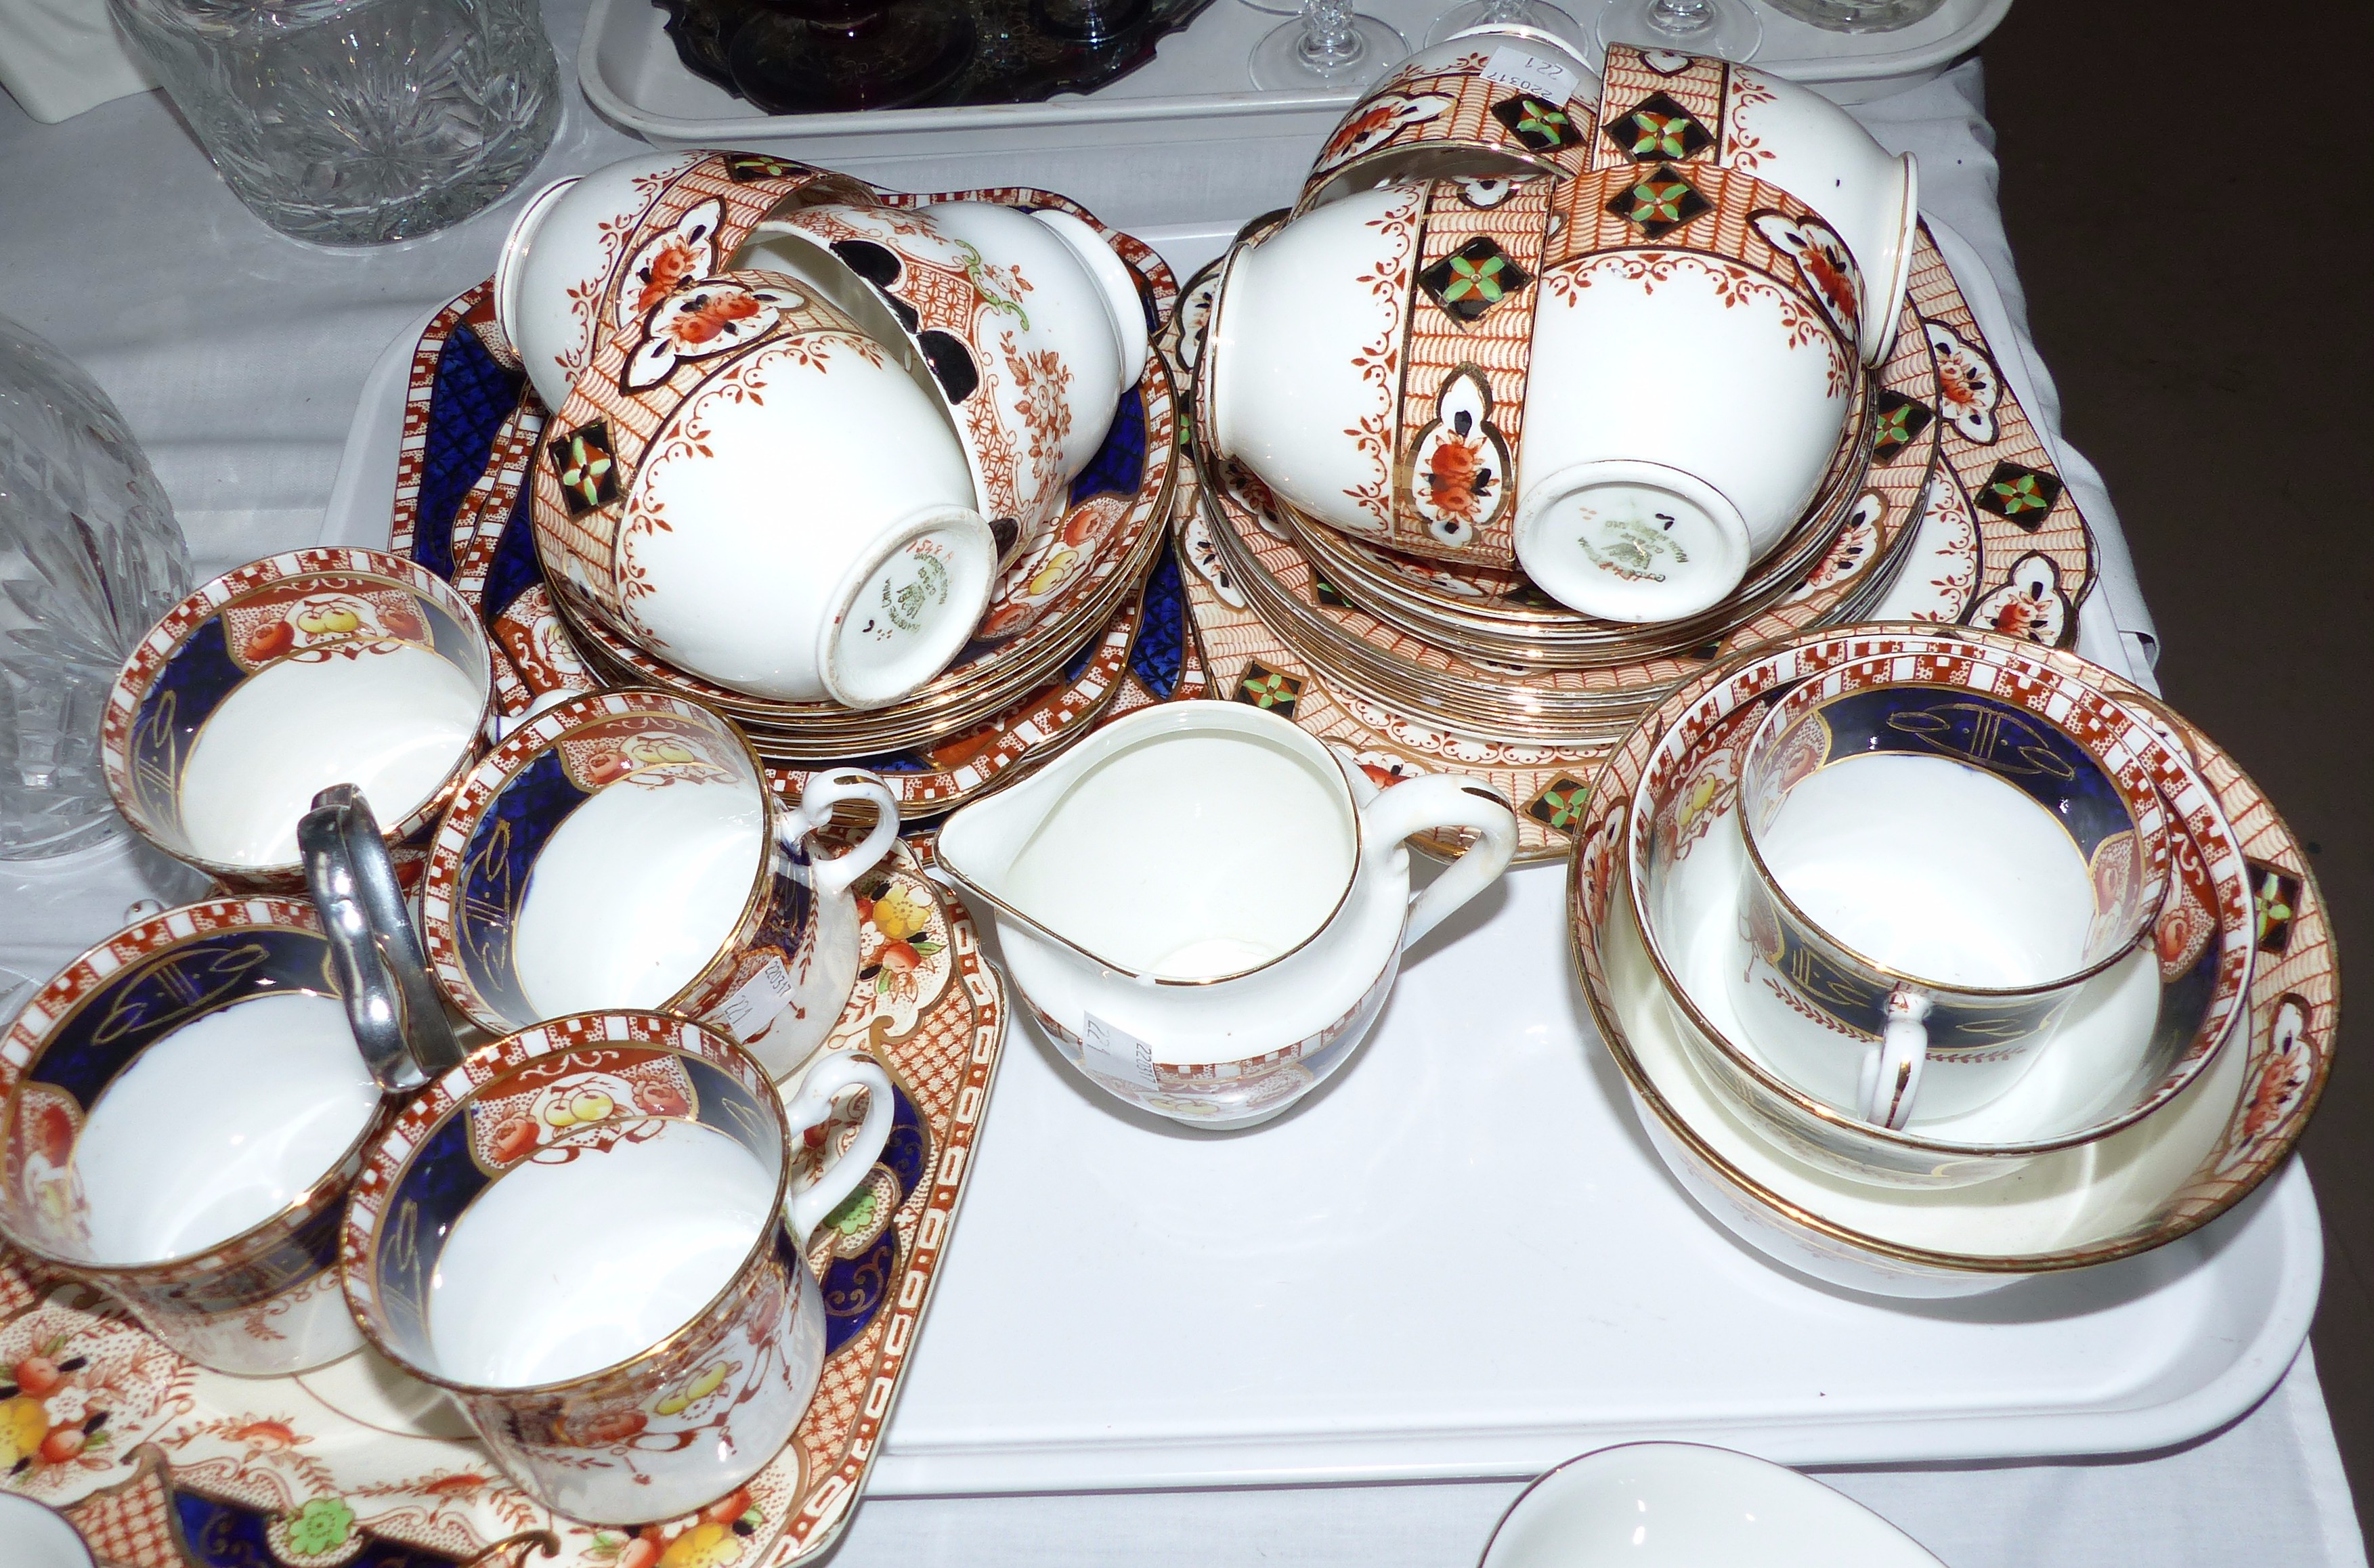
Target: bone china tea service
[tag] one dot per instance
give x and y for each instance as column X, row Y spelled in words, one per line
column 1551, row 460
column 658, row 1372
column 1205, row 909
column 623, row 850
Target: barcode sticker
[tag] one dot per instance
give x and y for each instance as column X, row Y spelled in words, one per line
column 1528, row 72
column 1116, row 1053
column 752, row 1007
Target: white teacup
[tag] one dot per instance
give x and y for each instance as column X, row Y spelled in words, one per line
column 623, row 851
column 1939, row 858
column 279, row 680
column 1027, row 323
column 745, row 483
column 187, row 1106
column 591, row 1234
column 1788, row 135
column 1206, row 907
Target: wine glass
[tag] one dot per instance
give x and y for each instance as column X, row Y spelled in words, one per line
column 1537, row 14
column 1725, row 29
column 1328, row 45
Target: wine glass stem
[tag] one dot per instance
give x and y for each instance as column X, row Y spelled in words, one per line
column 1681, row 18
column 1498, row 13
column 1330, row 42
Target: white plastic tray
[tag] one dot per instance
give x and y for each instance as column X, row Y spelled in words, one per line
column 1461, row 1259
column 1184, row 137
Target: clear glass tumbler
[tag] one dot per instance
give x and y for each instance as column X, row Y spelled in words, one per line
column 357, row 121
column 90, row 558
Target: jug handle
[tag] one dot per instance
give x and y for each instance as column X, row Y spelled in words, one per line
column 1434, row 801
column 393, row 1006
column 836, row 873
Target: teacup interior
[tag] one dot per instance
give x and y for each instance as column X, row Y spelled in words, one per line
column 612, row 869
column 565, row 1267
column 219, row 1126
column 394, row 725
column 1191, row 855
column 305, row 683
column 1942, row 833
column 1936, row 870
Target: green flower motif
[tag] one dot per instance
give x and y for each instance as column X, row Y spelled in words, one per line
column 855, row 1216
column 321, row 1527
column 2267, row 901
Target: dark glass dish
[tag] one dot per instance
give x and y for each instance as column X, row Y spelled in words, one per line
column 826, row 56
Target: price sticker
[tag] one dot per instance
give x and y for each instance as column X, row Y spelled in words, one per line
column 1528, row 72
column 752, row 1007
column 1116, row 1053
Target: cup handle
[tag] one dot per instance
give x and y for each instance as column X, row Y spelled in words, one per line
column 834, row 876
column 393, row 1006
column 1891, row 1075
column 828, row 1077
column 1432, row 801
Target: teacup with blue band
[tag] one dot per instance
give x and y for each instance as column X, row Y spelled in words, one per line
column 1941, row 854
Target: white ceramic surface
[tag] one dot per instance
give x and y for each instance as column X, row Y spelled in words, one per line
column 2062, row 1201
column 34, row 1536
column 1684, row 1506
column 559, row 249
column 1279, row 381
column 820, row 542
column 220, row 1125
column 395, row 725
column 677, row 1213
column 1052, row 331
column 1201, row 886
column 1630, row 510
column 1819, row 153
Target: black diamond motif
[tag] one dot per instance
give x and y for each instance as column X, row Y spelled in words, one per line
column 1541, row 126
column 1473, row 278
column 2021, row 494
column 587, row 468
column 2275, row 902
column 1267, row 688
column 1560, row 804
column 1658, row 128
column 1901, row 420
column 1659, row 202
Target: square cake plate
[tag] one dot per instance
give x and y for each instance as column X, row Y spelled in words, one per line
column 1461, row 1258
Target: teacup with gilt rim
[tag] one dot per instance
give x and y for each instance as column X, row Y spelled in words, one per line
column 281, row 678
column 185, row 1109
column 2138, row 1033
column 623, row 850
column 587, row 1234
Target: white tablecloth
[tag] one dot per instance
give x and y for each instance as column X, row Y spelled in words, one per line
column 238, row 356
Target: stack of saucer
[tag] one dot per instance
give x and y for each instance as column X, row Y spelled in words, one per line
column 1482, row 651
column 1908, row 1137
column 1050, row 612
